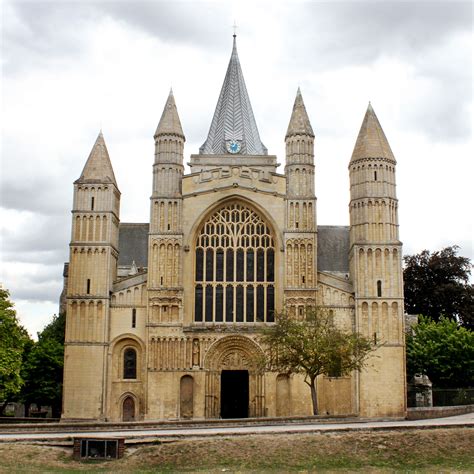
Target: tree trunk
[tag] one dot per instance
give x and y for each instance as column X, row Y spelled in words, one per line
column 314, row 395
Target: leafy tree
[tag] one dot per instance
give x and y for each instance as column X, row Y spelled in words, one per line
column 43, row 369
column 13, row 338
column 437, row 284
column 313, row 346
column 442, row 350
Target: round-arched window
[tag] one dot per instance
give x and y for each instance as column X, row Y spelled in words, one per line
column 234, row 268
column 130, row 364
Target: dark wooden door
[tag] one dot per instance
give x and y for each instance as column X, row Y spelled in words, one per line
column 128, row 409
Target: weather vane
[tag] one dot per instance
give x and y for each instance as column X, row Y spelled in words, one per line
column 235, row 29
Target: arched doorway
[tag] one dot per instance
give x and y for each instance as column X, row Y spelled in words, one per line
column 234, row 394
column 234, row 382
column 186, row 394
column 128, row 409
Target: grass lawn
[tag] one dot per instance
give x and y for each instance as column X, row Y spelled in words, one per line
column 428, row 450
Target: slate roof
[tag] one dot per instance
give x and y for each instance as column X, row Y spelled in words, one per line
column 233, row 118
column 133, row 244
column 333, row 246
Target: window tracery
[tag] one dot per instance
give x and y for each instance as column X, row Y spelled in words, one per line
column 234, row 268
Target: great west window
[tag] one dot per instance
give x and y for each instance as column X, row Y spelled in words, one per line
column 234, row 268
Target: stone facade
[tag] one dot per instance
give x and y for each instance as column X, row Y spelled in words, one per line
column 163, row 318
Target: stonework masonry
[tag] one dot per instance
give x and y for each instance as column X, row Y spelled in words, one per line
column 163, row 318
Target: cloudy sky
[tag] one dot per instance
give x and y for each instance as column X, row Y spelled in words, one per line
column 72, row 68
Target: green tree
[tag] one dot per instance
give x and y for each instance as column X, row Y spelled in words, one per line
column 313, row 346
column 43, row 368
column 443, row 350
column 13, row 338
column 437, row 284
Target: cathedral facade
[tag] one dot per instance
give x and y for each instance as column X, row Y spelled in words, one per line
column 163, row 318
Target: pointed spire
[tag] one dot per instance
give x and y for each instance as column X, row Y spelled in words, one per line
column 98, row 168
column 299, row 121
column 371, row 142
column 233, row 118
column 169, row 123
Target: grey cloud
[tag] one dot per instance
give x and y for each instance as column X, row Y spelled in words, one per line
column 38, row 234
column 416, row 33
column 36, row 290
column 340, row 34
column 33, row 196
column 197, row 23
column 41, row 283
column 37, row 32
column 41, row 31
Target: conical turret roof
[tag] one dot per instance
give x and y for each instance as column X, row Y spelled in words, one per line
column 371, row 142
column 169, row 123
column 299, row 121
column 98, row 168
column 233, row 118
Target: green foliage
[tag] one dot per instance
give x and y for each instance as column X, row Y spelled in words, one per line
column 13, row 338
column 43, row 368
column 442, row 350
column 313, row 346
column 437, row 284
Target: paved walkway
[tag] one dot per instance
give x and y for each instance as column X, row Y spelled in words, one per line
column 146, row 435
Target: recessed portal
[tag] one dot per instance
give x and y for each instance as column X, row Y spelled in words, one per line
column 235, row 394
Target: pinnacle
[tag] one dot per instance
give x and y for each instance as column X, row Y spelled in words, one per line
column 371, row 141
column 299, row 121
column 98, row 167
column 169, row 122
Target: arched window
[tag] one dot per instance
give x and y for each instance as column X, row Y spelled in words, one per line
column 234, row 268
column 130, row 364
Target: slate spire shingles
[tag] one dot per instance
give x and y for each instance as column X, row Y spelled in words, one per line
column 233, row 118
column 371, row 141
column 98, row 167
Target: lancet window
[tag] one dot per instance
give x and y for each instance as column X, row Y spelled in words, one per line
column 234, row 268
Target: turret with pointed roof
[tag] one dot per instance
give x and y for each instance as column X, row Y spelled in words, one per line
column 299, row 142
column 375, row 265
column 166, row 201
column 300, row 205
column 98, row 168
column 91, row 273
column 233, row 118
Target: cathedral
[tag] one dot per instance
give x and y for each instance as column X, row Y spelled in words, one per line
column 163, row 318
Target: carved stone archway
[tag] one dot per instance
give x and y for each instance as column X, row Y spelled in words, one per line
column 234, row 353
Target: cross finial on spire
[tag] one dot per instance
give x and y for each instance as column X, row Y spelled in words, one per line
column 235, row 29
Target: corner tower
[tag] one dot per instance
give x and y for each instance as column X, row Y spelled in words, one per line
column 92, row 271
column 300, row 211
column 375, row 265
column 165, row 238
